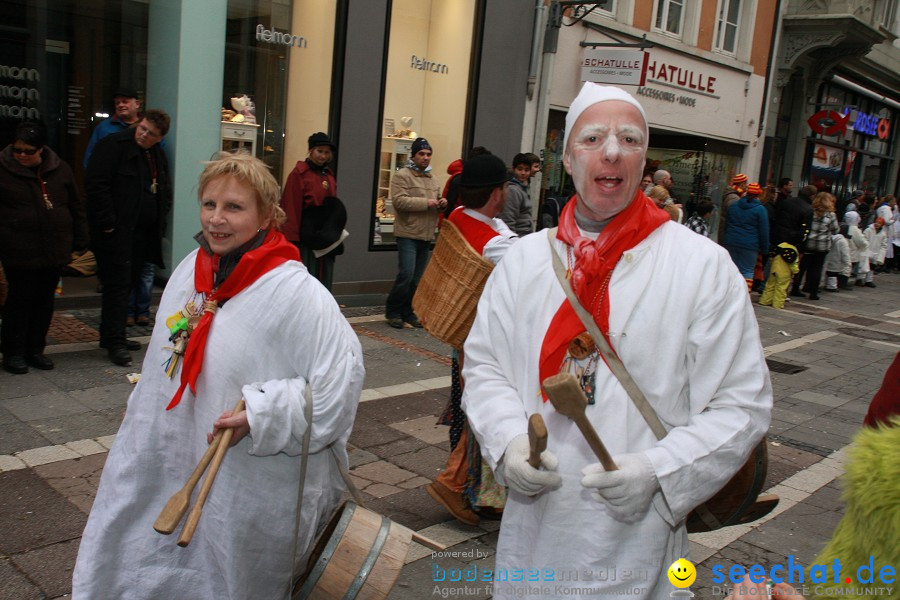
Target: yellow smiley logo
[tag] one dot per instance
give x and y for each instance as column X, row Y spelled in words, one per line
column 682, row 573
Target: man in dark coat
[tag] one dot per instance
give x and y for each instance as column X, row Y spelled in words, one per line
column 793, row 216
column 129, row 194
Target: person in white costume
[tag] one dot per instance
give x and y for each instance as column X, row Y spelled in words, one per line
column 570, row 528
column 275, row 331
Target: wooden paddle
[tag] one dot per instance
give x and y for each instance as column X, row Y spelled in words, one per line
column 190, row 525
column 537, row 439
column 171, row 514
column 569, row 400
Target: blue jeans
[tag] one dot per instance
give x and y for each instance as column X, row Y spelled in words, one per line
column 139, row 298
column 412, row 256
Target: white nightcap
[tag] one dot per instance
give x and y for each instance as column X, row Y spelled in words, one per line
column 592, row 93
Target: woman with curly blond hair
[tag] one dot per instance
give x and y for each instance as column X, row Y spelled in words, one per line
column 823, row 227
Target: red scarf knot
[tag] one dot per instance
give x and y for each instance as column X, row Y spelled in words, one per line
column 595, row 261
column 274, row 251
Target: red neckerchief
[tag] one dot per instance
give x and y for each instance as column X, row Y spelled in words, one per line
column 594, row 264
column 274, row 250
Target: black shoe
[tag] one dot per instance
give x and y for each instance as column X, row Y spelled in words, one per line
column 871, row 284
column 120, row 356
column 396, row 323
column 798, row 294
column 813, row 297
column 415, row 322
column 831, row 290
column 39, row 361
column 131, row 345
column 15, row 365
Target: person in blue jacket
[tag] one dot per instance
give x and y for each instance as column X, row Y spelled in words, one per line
column 747, row 232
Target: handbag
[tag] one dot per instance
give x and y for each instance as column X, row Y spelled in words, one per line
column 739, row 500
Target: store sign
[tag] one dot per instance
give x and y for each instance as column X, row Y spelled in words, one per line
column 828, row 122
column 423, row 64
column 685, row 78
column 17, row 97
column 869, row 124
column 614, row 66
column 271, row 36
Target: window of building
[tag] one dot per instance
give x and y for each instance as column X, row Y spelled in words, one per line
column 889, row 14
column 425, row 93
column 277, row 54
column 727, row 26
column 669, row 16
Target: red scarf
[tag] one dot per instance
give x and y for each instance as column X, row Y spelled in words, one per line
column 594, row 264
column 274, row 250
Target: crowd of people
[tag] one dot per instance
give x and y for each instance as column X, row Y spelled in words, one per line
column 580, row 297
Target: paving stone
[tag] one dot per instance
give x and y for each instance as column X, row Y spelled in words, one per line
column 409, row 406
column 382, row 472
column 60, row 430
column 414, row 483
column 417, row 581
column 106, row 441
column 50, row 567
column 77, row 479
column 14, row 585
column 367, row 432
column 85, row 447
column 411, row 508
column 359, row 456
column 20, row 436
column 53, row 404
column 382, row 490
column 427, row 462
column 21, row 386
column 400, row 446
column 33, row 514
column 104, row 397
column 828, row 498
column 11, row 463
column 45, row 454
column 424, row 428
column 823, row 440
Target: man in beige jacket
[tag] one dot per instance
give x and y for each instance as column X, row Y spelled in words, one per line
column 416, row 196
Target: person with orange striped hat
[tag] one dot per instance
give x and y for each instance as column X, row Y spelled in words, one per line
column 738, row 189
column 746, row 232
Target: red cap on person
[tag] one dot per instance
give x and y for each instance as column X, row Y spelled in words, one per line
column 753, row 189
column 739, row 178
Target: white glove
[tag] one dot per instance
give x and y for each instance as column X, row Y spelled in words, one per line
column 626, row 492
column 521, row 476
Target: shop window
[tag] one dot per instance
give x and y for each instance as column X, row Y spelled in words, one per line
column 60, row 63
column 669, row 16
column 255, row 85
column 728, row 25
column 425, row 93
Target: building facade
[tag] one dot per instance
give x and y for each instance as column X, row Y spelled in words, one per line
column 707, row 68
column 262, row 75
column 836, row 96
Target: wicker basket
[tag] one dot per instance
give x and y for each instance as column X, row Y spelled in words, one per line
column 449, row 290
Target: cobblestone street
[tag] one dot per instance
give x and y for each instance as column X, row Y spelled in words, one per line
column 827, row 358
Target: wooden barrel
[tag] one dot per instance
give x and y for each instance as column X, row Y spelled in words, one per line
column 739, row 501
column 358, row 555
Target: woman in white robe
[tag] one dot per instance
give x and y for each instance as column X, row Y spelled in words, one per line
column 267, row 342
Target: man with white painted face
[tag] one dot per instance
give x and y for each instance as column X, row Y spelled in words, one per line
column 129, row 194
column 701, row 369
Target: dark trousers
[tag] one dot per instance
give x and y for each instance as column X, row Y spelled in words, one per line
column 321, row 268
column 811, row 264
column 28, row 310
column 118, row 276
column 412, row 256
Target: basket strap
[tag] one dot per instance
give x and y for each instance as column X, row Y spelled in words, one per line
column 612, row 358
column 307, row 413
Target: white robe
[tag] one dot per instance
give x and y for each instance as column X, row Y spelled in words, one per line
column 265, row 343
column 682, row 322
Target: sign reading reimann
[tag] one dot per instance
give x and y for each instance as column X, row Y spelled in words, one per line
column 615, row 66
